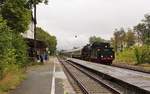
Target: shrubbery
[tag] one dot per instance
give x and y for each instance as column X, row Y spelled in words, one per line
column 135, row 55
column 126, row 56
column 142, row 54
column 15, row 17
column 20, row 50
column 13, row 50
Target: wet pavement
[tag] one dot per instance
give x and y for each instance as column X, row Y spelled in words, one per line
column 45, row 79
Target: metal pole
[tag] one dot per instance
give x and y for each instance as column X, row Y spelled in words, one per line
column 35, row 22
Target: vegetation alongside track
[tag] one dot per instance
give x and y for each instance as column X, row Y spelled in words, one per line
column 137, row 58
column 12, row 58
column 15, row 17
column 135, row 55
column 133, row 47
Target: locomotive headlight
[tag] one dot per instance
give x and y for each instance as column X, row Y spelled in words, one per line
column 101, row 55
column 111, row 56
column 98, row 49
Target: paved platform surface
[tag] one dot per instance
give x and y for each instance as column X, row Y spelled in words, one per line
column 139, row 79
column 45, row 79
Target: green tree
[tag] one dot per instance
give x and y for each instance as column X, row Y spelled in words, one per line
column 17, row 16
column 13, row 51
column 119, row 39
column 130, row 38
column 93, row 39
column 50, row 40
column 143, row 30
column 147, row 35
column 140, row 30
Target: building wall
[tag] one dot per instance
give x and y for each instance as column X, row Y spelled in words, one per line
column 29, row 33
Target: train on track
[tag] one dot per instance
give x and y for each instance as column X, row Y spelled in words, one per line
column 97, row 52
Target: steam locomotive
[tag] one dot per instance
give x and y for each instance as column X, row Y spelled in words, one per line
column 97, row 52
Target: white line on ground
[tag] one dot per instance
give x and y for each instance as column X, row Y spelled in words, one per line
column 53, row 81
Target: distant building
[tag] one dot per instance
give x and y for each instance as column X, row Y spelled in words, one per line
column 29, row 33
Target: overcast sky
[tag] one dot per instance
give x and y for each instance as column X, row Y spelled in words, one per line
column 67, row 18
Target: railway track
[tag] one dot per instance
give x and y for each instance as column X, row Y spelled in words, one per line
column 74, row 84
column 122, row 80
column 88, row 82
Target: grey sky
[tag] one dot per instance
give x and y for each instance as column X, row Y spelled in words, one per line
column 85, row 18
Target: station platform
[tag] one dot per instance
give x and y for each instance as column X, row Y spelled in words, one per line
column 134, row 78
column 48, row 78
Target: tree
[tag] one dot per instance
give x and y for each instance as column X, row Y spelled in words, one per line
column 47, row 38
column 130, row 38
column 118, row 41
column 95, row 39
column 140, row 30
column 17, row 16
column 143, row 30
column 1, row 2
column 147, row 35
column 121, row 36
column 115, row 40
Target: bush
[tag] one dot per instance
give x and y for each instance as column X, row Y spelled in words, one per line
column 135, row 55
column 5, row 46
column 142, row 54
column 13, row 49
column 20, row 50
column 13, row 56
column 127, row 55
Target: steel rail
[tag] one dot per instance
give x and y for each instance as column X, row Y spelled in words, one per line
column 84, row 90
column 101, row 81
column 128, row 88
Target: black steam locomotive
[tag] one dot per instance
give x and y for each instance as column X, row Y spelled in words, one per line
column 98, row 52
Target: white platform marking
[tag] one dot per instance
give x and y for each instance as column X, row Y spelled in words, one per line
column 53, row 81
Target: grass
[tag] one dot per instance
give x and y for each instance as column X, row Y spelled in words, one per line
column 11, row 80
column 14, row 76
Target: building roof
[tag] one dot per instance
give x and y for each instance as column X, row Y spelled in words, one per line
column 39, row 44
